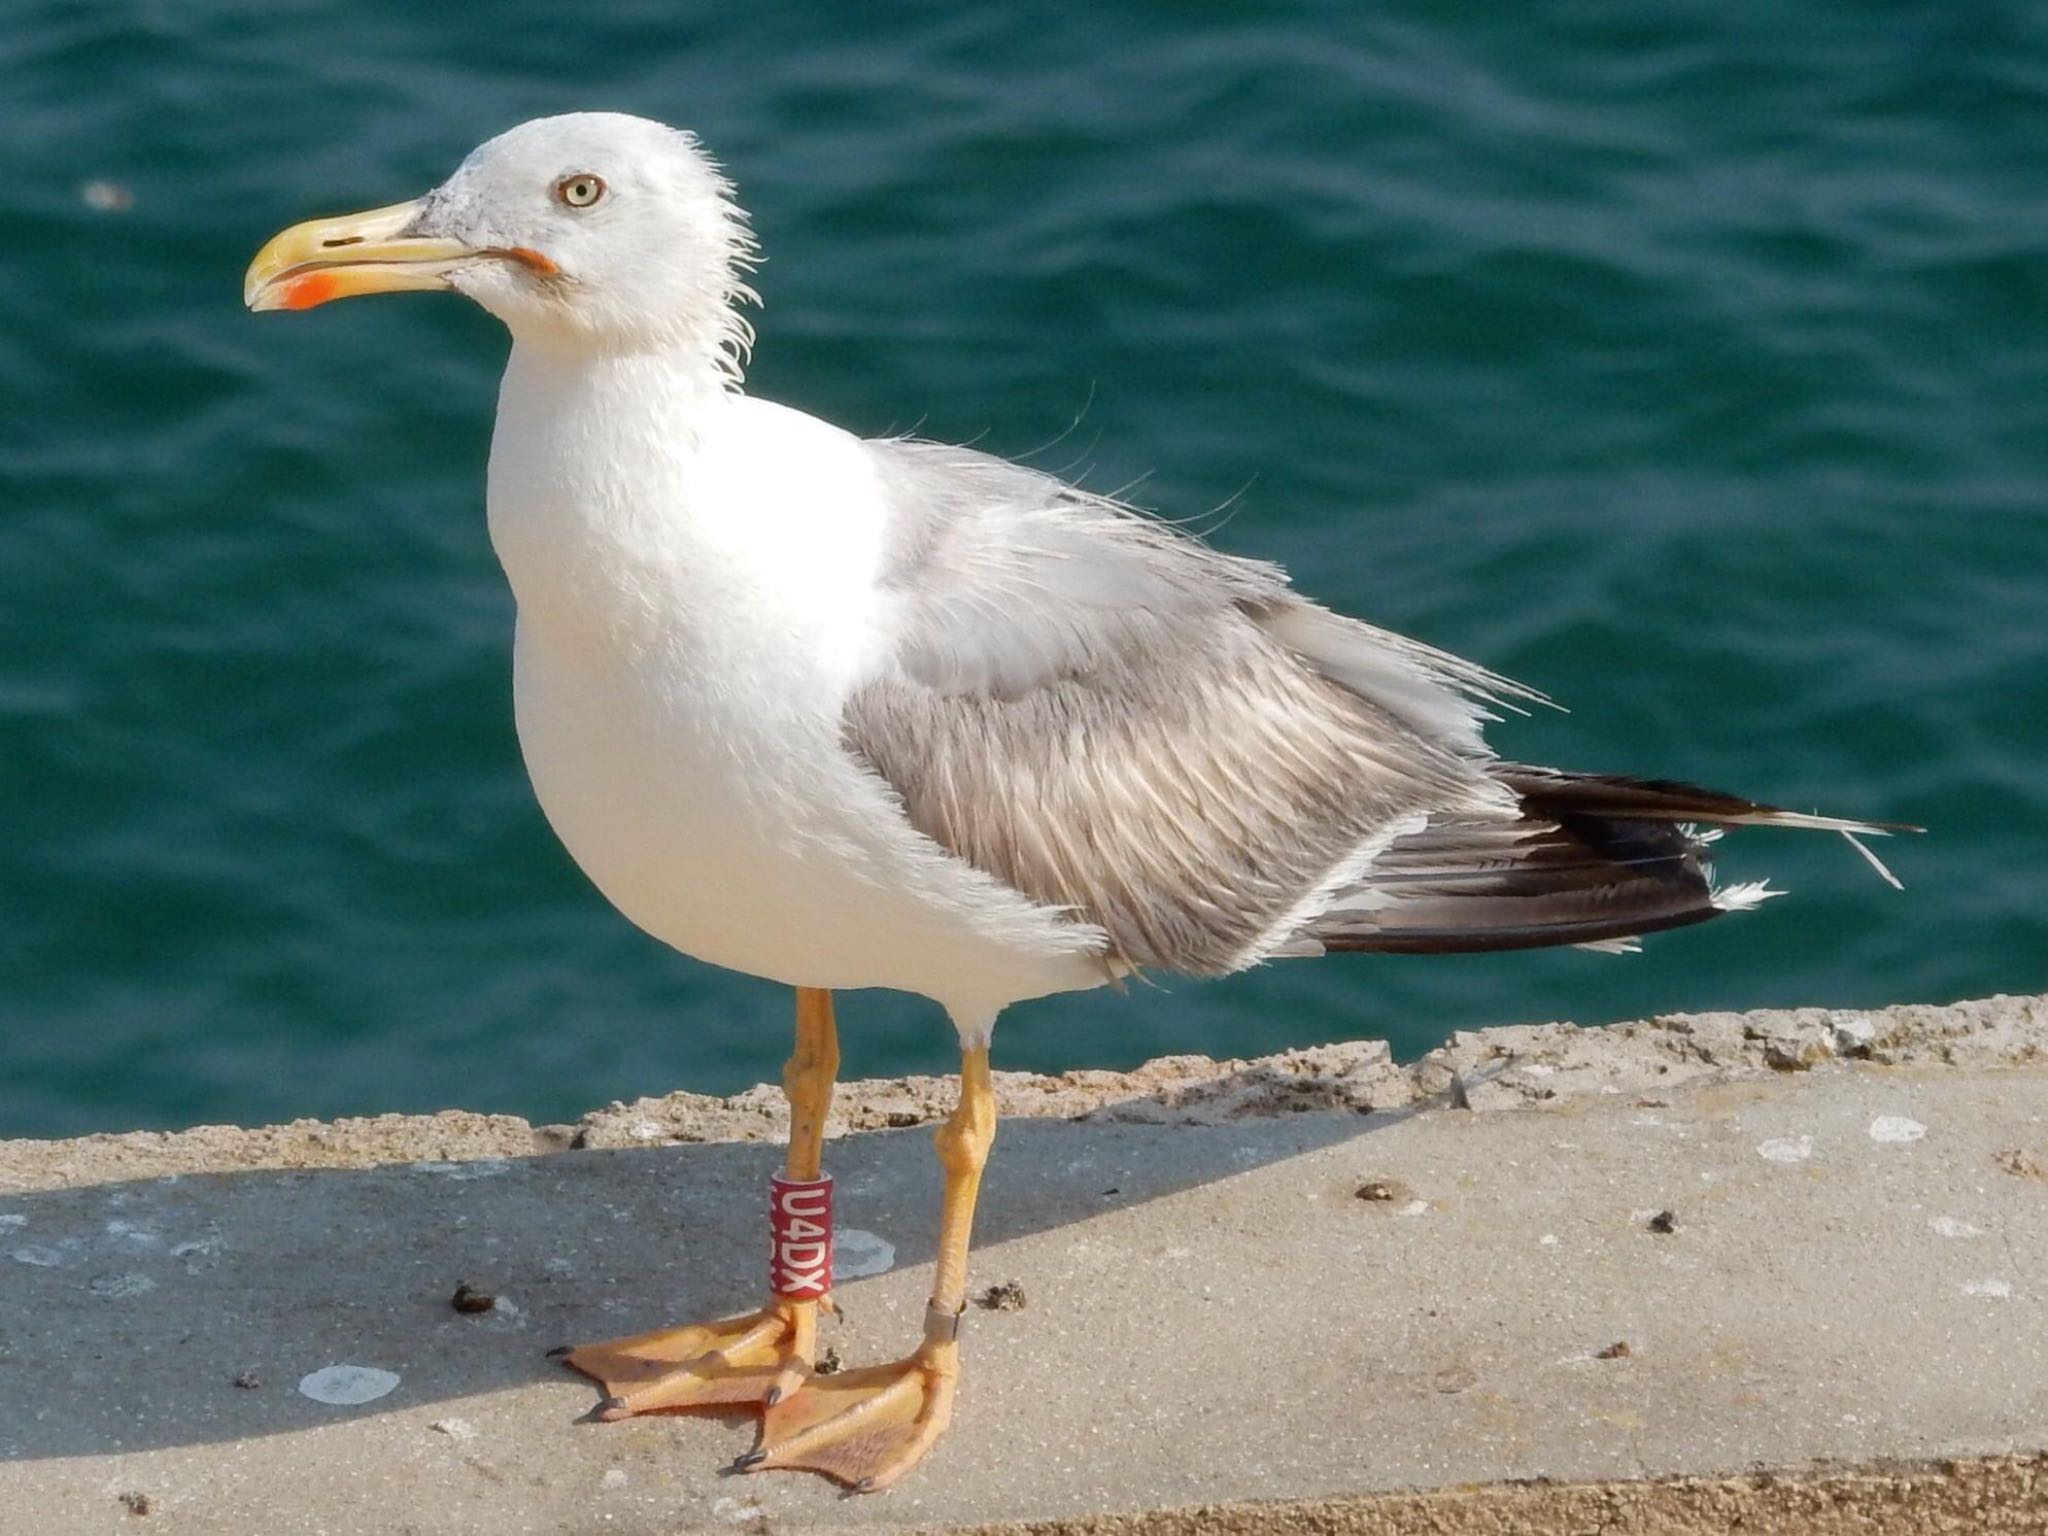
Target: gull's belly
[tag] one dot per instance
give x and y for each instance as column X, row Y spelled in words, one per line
column 704, row 843
column 739, row 837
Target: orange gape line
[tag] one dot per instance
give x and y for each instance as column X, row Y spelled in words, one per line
column 528, row 256
column 305, row 292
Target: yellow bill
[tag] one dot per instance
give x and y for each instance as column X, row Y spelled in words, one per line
column 325, row 259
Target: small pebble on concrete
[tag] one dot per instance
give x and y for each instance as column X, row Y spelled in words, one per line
column 468, row 1298
column 2013, row 1160
column 1896, row 1128
column 1006, row 1297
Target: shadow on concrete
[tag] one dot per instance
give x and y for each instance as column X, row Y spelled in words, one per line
column 185, row 1310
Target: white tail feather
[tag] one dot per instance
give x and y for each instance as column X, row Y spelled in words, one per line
column 1628, row 946
column 1872, row 859
column 1745, row 897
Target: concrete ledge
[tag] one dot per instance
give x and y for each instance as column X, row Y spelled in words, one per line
column 1293, row 1294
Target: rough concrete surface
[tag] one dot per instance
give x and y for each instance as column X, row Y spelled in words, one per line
column 1767, row 1272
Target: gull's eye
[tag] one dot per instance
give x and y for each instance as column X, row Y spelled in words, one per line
column 580, row 190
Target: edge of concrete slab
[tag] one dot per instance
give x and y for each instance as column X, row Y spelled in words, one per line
column 1969, row 1496
column 1501, row 1068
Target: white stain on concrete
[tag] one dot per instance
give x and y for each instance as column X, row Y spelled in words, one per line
column 1896, row 1128
column 505, row 1316
column 124, row 1285
column 856, row 1253
column 40, row 1256
column 1786, row 1149
column 344, row 1386
column 462, row 1173
column 1995, row 1288
column 1949, row 1226
column 454, row 1429
column 12, row 1221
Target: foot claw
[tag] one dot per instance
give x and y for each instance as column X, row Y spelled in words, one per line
column 560, row 1350
column 749, row 1461
column 740, row 1361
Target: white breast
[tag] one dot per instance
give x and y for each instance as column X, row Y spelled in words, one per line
column 695, row 575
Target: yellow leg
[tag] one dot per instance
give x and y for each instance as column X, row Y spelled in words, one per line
column 761, row 1357
column 866, row 1428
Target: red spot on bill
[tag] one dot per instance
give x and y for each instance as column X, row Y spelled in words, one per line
column 800, row 1237
column 305, row 292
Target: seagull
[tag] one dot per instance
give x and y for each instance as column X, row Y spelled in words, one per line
column 889, row 713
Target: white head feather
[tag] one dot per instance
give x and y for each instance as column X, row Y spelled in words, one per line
column 653, row 262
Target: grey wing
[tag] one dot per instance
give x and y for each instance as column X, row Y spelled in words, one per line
column 1115, row 719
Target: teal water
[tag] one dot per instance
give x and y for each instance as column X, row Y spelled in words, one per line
column 1689, row 361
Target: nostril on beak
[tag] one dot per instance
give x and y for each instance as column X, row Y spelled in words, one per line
column 338, row 240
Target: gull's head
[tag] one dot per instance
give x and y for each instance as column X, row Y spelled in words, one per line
column 595, row 230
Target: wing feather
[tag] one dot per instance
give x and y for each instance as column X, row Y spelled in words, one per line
column 1115, row 719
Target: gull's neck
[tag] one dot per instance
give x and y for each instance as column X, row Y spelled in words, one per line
column 672, row 391
column 595, row 465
